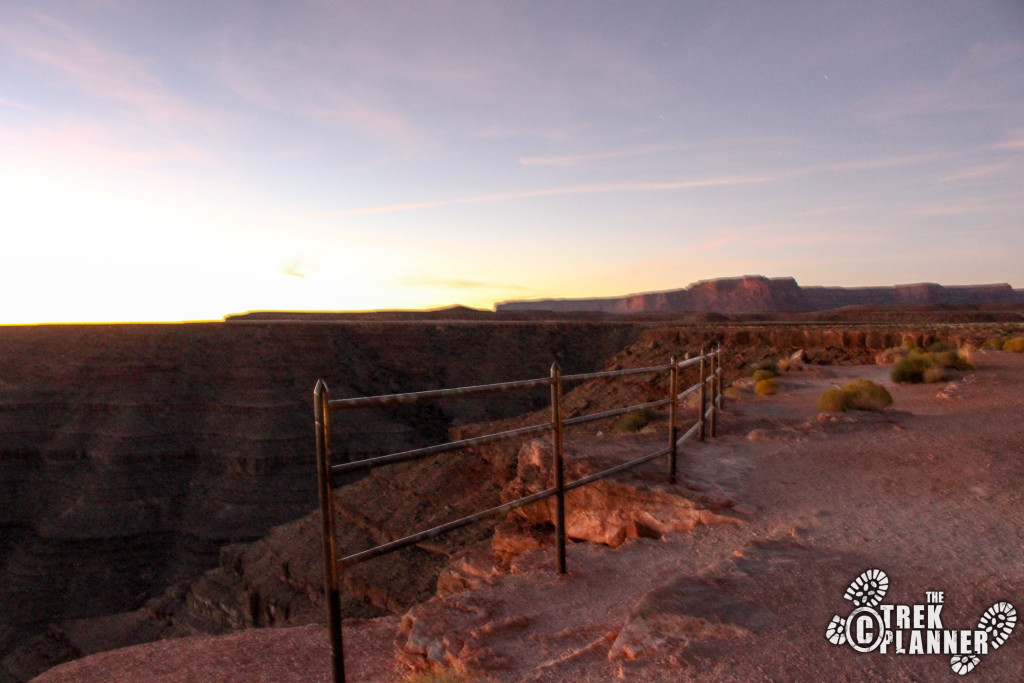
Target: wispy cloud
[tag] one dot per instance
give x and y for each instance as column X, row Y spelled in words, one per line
column 430, row 280
column 12, row 104
column 587, row 158
column 988, row 76
column 975, row 172
column 874, row 164
column 92, row 68
column 286, row 87
column 826, row 211
column 969, row 206
column 606, row 188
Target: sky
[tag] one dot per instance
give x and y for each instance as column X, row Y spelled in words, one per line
column 187, row 160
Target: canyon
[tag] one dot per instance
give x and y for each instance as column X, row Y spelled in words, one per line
column 159, row 479
column 130, row 454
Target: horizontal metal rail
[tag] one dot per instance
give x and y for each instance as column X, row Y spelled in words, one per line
column 688, row 362
column 590, row 478
column 694, row 388
column 323, row 406
column 689, row 432
column 616, row 373
column 416, row 454
column 392, row 399
column 441, row 529
column 400, row 543
column 616, row 412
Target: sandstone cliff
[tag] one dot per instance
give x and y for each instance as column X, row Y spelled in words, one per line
column 130, row 454
column 758, row 294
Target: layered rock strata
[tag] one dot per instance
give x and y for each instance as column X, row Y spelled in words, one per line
column 758, row 294
column 130, row 454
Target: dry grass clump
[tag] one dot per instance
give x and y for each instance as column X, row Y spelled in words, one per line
column 766, row 387
column 929, row 366
column 767, row 365
column 634, row 421
column 860, row 394
column 760, row 375
column 1016, row 345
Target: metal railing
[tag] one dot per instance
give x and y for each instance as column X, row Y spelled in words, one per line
column 708, row 386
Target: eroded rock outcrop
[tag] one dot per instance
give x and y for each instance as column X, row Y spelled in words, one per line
column 610, row 510
column 758, row 294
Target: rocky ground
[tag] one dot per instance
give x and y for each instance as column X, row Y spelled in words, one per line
column 928, row 491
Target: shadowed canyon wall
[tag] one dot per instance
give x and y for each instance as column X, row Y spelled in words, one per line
column 129, row 454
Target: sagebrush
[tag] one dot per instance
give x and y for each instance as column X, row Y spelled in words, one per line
column 860, row 394
column 928, row 366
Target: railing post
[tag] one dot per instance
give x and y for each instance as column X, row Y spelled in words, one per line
column 721, row 380
column 703, row 385
column 332, row 596
column 714, row 396
column 557, row 466
column 673, row 382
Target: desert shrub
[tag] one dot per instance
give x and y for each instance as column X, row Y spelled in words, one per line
column 634, row 420
column 860, row 394
column 730, row 393
column 908, row 369
column 926, row 366
column 993, row 344
column 768, row 364
column 766, row 387
column 762, row 374
column 863, row 394
column 940, row 346
column 1015, row 345
column 833, row 400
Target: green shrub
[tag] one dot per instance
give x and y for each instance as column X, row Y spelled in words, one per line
column 1015, row 345
column 763, row 374
column 939, row 346
column 909, row 369
column 833, row 400
column 993, row 344
column 634, row 421
column 928, row 366
column 863, row 394
column 766, row 387
column 860, row 394
column 768, row 364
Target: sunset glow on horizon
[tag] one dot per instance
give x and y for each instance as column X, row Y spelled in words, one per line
column 187, row 161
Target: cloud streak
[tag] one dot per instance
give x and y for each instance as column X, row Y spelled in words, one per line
column 428, row 280
column 582, row 159
column 601, row 188
column 96, row 70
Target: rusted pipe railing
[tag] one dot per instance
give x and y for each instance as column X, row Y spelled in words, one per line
column 323, row 405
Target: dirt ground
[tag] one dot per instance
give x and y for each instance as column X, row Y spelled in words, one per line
column 929, row 491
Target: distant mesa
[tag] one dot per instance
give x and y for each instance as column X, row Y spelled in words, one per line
column 759, row 294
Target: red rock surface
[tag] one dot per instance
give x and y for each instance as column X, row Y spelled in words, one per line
column 930, row 491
